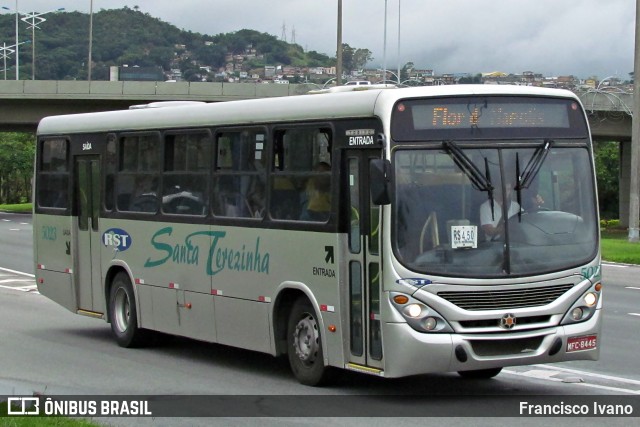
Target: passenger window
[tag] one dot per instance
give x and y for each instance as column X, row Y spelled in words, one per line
column 239, row 181
column 187, row 158
column 54, row 174
column 301, row 178
column 138, row 181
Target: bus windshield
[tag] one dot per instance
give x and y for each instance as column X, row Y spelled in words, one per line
column 451, row 202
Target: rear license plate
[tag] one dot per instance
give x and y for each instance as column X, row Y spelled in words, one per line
column 588, row 342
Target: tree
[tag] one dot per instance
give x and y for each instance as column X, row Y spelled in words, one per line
column 16, row 167
column 354, row 59
column 607, row 158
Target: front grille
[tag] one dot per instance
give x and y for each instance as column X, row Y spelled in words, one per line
column 505, row 347
column 505, row 299
column 490, row 323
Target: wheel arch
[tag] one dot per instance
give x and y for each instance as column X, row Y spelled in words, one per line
column 287, row 294
column 112, row 271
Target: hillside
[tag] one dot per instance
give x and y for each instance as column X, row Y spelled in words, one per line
column 128, row 36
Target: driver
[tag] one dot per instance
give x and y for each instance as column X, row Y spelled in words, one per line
column 491, row 222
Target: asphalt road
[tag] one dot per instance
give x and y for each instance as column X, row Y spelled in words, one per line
column 47, row 349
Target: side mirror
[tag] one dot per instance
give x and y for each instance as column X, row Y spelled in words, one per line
column 380, row 181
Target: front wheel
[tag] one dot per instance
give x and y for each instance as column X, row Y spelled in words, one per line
column 304, row 343
column 123, row 314
column 480, row 373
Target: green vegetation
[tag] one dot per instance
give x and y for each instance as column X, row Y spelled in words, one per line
column 616, row 248
column 41, row 421
column 16, row 167
column 19, row 208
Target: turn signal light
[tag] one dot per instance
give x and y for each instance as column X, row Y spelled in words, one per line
column 401, row 299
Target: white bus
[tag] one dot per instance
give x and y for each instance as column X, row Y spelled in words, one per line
column 361, row 230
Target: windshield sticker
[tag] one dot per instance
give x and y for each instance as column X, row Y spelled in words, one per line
column 222, row 253
column 464, row 236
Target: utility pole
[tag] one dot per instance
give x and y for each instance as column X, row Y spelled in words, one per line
column 634, row 202
column 339, row 47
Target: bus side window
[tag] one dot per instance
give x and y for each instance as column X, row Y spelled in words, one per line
column 301, row 178
column 138, row 180
column 240, row 174
column 185, row 177
column 53, row 174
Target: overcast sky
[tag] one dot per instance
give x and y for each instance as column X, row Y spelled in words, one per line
column 552, row 37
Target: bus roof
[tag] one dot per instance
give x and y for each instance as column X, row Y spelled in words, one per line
column 324, row 106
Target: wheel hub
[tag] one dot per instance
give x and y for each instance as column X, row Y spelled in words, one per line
column 306, row 339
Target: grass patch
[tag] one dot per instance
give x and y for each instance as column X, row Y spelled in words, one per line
column 41, row 420
column 19, row 208
column 616, row 247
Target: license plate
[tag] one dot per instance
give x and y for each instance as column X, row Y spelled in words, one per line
column 588, row 342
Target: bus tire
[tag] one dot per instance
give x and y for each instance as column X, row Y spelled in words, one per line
column 123, row 314
column 304, row 344
column 480, row 373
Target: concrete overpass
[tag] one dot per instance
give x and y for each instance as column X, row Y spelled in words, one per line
column 24, row 102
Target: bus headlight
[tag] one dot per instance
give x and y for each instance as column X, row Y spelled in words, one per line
column 577, row 313
column 413, row 310
column 584, row 308
column 418, row 315
column 590, row 299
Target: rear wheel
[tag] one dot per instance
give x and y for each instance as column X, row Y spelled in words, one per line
column 304, row 343
column 123, row 314
column 480, row 373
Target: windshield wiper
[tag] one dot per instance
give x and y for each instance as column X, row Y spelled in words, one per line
column 479, row 181
column 534, row 165
column 531, row 170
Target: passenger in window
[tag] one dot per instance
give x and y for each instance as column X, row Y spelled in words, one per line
column 318, row 193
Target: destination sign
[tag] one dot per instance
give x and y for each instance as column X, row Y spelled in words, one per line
column 494, row 115
column 488, row 117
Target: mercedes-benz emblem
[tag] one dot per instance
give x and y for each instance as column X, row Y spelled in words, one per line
column 508, row 321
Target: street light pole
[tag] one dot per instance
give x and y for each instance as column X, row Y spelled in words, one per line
column 90, row 39
column 384, row 44
column 6, row 50
column 398, row 42
column 339, row 47
column 31, row 18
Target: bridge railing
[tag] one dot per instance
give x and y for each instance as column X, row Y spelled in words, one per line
column 206, row 91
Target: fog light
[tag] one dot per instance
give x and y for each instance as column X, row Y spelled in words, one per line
column 430, row 323
column 590, row 299
column 413, row 310
column 576, row 313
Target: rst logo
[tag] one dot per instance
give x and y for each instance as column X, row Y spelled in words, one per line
column 116, row 238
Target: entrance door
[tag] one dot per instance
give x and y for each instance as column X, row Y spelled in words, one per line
column 365, row 334
column 87, row 248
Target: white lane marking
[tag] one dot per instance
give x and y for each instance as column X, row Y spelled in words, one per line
column 15, row 280
column 591, row 374
column 601, row 387
column 615, row 265
column 632, row 287
column 31, row 289
column 14, row 229
column 17, row 272
column 6, row 220
column 634, row 314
